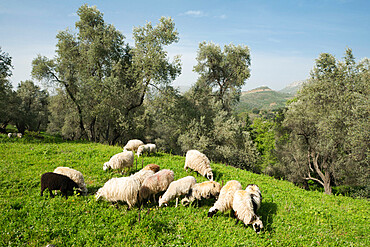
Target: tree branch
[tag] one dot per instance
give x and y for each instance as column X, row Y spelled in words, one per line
column 314, row 179
column 316, row 166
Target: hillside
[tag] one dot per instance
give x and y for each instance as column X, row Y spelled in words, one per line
column 291, row 216
column 262, row 98
column 293, row 87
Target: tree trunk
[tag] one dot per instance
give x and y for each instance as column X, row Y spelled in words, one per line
column 327, row 188
column 325, row 178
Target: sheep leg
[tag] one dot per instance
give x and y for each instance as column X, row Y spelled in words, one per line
column 51, row 193
column 142, row 163
column 237, row 221
column 64, row 193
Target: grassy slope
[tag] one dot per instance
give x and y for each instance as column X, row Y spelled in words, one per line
column 291, row 215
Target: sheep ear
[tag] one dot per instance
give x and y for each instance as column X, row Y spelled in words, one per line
column 160, row 197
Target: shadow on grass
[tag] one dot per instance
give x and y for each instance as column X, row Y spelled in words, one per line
column 217, row 176
column 267, row 212
column 92, row 190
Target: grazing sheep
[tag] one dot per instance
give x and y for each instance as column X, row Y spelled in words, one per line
column 176, row 189
column 55, row 181
column 133, row 145
column 204, row 190
column 153, row 167
column 19, row 135
column 120, row 189
column 245, row 206
column 142, row 175
column 198, row 162
column 156, row 183
column 120, row 161
column 147, row 148
column 73, row 174
column 255, row 192
column 225, row 199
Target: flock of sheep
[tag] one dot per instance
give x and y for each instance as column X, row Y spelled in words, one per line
column 150, row 181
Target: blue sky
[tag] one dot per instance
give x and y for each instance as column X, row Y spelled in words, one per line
column 284, row 37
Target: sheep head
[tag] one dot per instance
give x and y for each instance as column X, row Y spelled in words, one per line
column 162, row 202
column 257, row 225
column 209, row 175
column 212, row 211
column 106, row 166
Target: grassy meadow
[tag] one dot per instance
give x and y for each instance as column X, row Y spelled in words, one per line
column 291, row 216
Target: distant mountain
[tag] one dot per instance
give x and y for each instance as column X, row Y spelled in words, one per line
column 262, row 98
column 293, row 87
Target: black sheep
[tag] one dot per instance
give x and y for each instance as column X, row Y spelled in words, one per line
column 55, row 181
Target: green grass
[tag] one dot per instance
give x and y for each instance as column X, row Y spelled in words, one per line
column 291, row 216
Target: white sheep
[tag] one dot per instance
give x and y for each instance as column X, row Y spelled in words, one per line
column 142, row 175
column 156, row 183
column 120, row 189
column 199, row 163
column 176, row 189
column 255, row 192
column 19, row 135
column 146, row 148
column 225, row 199
column 133, row 145
column 120, row 161
column 73, row 174
column 204, row 190
column 245, row 204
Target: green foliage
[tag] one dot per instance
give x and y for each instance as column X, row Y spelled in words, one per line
column 104, row 81
column 8, row 102
column 263, row 132
column 32, row 109
column 291, row 216
column 329, row 125
column 225, row 71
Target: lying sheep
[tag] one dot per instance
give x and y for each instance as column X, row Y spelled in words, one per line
column 204, row 190
column 147, row 148
column 225, row 199
column 156, row 183
column 142, row 175
column 55, row 181
column 176, row 189
column 199, row 163
column 120, row 189
column 73, row 174
column 245, row 204
column 153, row 167
column 133, row 145
column 120, row 161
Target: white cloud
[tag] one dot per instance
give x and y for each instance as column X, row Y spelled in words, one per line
column 223, row 17
column 194, row 13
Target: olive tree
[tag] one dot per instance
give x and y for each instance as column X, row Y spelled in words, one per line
column 106, row 79
column 225, row 70
column 328, row 124
column 32, row 111
column 8, row 102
